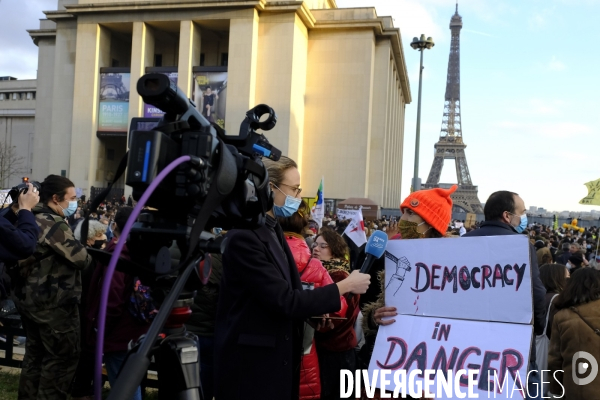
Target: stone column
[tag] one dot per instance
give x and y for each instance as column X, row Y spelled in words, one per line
column 62, row 97
column 93, row 52
column 241, row 80
column 281, row 78
column 380, row 141
column 142, row 56
column 189, row 55
column 43, row 106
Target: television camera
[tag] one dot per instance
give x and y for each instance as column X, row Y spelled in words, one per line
column 216, row 181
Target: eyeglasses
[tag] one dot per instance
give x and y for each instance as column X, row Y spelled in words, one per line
column 297, row 189
column 321, row 245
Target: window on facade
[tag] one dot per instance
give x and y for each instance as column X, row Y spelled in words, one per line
column 158, row 60
column 224, row 59
column 2, row 96
column 202, row 58
column 29, row 96
column 15, row 96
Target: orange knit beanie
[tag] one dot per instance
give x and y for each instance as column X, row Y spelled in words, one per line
column 433, row 205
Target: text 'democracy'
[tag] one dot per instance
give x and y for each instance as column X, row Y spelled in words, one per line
column 482, row 278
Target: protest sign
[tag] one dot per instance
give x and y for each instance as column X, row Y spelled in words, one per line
column 356, row 230
column 345, row 214
column 480, row 278
column 496, row 353
column 471, row 220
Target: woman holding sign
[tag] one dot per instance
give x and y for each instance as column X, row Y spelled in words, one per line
column 425, row 214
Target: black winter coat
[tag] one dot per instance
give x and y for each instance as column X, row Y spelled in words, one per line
column 497, row 228
column 18, row 235
column 260, row 317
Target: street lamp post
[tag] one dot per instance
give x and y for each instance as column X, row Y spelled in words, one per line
column 419, row 44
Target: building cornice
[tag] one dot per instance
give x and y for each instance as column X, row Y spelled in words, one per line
column 75, row 10
column 72, row 10
column 37, row 34
column 17, row 113
column 299, row 7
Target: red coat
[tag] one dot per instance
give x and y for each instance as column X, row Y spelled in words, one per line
column 312, row 271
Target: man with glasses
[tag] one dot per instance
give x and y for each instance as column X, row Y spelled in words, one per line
column 505, row 215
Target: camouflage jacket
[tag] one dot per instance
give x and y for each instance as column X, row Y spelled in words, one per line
column 51, row 277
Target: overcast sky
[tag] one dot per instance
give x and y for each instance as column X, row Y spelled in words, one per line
column 529, row 88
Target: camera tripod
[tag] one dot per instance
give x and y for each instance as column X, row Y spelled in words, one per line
column 175, row 350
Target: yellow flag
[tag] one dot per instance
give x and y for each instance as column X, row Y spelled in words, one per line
column 593, row 197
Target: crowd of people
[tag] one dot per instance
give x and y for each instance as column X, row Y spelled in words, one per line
column 284, row 310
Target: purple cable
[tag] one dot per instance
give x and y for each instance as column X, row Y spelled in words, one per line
column 111, row 269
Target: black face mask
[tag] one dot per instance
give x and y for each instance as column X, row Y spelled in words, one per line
column 98, row 244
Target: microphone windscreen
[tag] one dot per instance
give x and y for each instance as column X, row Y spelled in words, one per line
column 377, row 244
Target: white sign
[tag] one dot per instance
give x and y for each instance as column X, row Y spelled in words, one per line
column 496, row 354
column 480, row 278
column 5, row 199
column 345, row 214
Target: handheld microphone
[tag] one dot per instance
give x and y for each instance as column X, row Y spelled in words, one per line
column 374, row 249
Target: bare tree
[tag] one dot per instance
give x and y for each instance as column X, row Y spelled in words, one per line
column 10, row 163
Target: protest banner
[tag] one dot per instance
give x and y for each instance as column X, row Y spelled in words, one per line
column 345, row 214
column 498, row 353
column 464, row 304
column 480, row 278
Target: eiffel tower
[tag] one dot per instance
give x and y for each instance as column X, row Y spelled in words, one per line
column 451, row 145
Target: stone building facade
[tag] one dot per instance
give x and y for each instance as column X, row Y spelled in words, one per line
column 17, row 125
column 336, row 78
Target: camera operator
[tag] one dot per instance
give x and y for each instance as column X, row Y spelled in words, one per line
column 262, row 306
column 47, row 290
column 18, row 230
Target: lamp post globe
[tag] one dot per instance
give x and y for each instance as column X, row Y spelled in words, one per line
column 419, row 44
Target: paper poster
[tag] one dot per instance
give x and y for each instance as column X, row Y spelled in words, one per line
column 481, row 278
column 210, row 95
column 497, row 354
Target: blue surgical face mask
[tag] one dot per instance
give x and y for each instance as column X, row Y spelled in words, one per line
column 70, row 210
column 523, row 224
column 288, row 209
